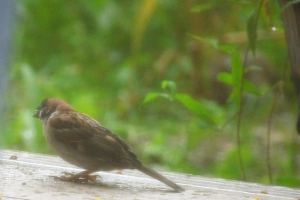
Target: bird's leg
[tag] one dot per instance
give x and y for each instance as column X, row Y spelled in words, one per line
column 82, row 177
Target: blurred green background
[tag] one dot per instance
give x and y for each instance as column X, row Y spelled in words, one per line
column 160, row 74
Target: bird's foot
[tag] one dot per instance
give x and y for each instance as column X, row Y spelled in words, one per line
column 77, row 178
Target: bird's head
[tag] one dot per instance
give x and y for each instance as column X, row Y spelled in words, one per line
column 49, row 106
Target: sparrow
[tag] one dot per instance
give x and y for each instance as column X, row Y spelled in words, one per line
column 85, row 143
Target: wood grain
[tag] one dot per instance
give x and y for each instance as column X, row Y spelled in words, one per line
column 26, row 176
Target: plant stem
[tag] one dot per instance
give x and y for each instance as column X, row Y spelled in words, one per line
column 239, row 122
column 269, row 124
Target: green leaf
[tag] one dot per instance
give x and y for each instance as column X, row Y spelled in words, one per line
column 169, row 84
column 252, row 22
column 252, row 29
column 237, row 76
column 237, row 73
column 153, row 95
column 225, row 78
column 251, row 88
column 203, row 7
column 150, row 97
column 193, row 105
column 203, row 111
column 227, row 48
column 210, row 41
column 248, row 86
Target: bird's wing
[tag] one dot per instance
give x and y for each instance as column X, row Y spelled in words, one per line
column 86, row 135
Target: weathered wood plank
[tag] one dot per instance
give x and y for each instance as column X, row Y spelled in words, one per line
column 27, row 177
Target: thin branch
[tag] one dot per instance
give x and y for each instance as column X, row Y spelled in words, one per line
column 239, row 122
column 269, row 125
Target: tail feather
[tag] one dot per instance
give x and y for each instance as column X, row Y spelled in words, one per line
column 159, row 177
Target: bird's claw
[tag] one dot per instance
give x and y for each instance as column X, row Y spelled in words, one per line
column 77, row 178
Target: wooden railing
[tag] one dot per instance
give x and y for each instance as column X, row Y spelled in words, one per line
column 26, row 176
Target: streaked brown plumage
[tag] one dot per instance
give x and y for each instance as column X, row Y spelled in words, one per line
column 84, row 142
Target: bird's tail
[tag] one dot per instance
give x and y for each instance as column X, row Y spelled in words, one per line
column 159, row 177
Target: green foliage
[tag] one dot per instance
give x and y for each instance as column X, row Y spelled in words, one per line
column 252, row 26
column 107, row 57
column 229, row 168
column 204, row 7
column 210, row 112
column 248, row 86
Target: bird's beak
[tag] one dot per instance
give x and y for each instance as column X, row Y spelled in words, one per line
column 38, row 112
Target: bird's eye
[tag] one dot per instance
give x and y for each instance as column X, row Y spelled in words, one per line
column 44, row 112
